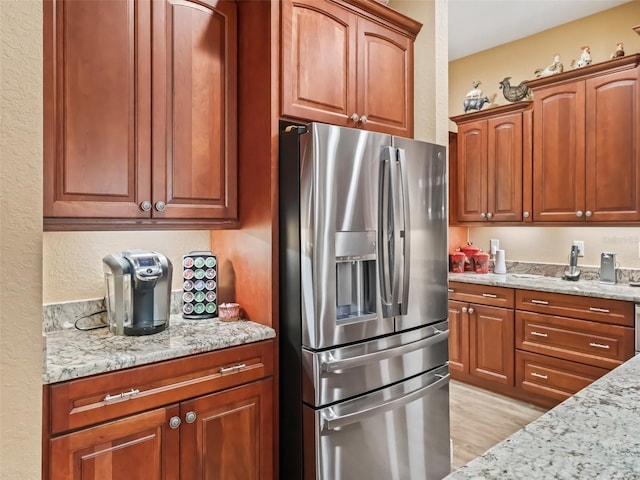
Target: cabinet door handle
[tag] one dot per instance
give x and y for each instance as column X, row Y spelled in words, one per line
column 465, row 309
column 471, row 310
column 538, row 334
column 175, row 422
column 483, row 215
column 190, row 417
column 355, row 118
column 539, row 302
column 525, row 214
column 450, row 290
column 233, row 369
column 145, row 206
column 599, row 345
column 489, row 215
column 579, row 213
column 588, row 213
column 121, row 396
column 538, row 375
column 489, row 295
column 160, row 205
column 599, row 310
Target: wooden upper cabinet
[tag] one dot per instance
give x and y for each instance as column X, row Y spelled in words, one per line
column 586, row 162
column 492, row 153
column 385, row 79
column 108, row 161
column 348, row 63
column 318, row 55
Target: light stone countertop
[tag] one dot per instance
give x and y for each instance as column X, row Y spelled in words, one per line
column 586, row 288
column 595, row 434
column 72, row 353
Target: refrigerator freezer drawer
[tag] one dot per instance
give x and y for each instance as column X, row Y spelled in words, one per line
column 334, row 375
column 400, row 432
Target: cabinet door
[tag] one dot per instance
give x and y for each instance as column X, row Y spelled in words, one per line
column 558, row 153
column 139, row 447
column 97, row 108
column 318, row 61
column 472, row 172
column 231, row 435
column 491, row 338
column 504, row 168
column 385, row 79
column 613, row 149
column 194, row 124
column 458, row 337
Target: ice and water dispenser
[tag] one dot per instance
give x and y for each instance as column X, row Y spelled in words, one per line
column 355, row 276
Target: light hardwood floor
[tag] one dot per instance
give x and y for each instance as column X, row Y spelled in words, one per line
column 480, row 419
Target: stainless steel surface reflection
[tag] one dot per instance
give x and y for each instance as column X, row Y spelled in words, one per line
column 363, row 301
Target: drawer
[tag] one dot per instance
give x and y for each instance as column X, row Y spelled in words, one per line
column 481, row 294
column 598, row 344
column 87, row 401
column 605, row 310
column 552, row 377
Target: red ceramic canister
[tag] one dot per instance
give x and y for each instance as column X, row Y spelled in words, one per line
column 469, row 250
column 481, row 262
column 457, row 262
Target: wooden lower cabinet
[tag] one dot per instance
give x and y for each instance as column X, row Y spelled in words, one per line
column 551, row 379
column 231, row 436
column 540, row 347
column 141, row 446
column 202, row 417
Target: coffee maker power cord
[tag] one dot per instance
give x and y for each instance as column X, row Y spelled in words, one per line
column 94, row 327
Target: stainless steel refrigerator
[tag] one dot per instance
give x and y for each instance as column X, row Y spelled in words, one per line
column 363, row 329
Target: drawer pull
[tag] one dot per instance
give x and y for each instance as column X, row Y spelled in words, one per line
column 538, row 334
column 121, row 396
column 539, row 302
column 599, row 310
column 450, row 290
column 599, row 345
column 489, row 295
column 538, row 375
column 234, row 369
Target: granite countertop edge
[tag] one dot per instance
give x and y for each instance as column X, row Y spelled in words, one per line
column 71, row 353
column 593, row 434
column 586, row 288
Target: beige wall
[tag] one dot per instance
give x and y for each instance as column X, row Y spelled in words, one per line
column 72, row 261
column 518, row 60
column 431, row 81
column 20, row 239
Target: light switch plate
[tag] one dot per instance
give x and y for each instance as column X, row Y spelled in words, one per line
column 494, row 244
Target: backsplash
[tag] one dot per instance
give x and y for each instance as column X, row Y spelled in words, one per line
column 623, row 275
column 60, row 316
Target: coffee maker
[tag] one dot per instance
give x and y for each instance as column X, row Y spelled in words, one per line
column 138, row 284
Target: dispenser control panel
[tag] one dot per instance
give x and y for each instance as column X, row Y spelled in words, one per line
column 200, row 285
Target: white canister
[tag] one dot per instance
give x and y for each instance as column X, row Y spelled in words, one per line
column 500, row 265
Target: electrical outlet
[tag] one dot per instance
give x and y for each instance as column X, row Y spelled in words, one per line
column 580, row 245
column 494, row 245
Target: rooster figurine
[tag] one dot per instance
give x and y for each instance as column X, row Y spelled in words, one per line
column 555, row 67
column 619, row 51
column 514, row 93
column 585, row 58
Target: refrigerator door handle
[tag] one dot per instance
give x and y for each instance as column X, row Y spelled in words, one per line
column 384, row 234
column 397, row 233
column 334, row 365
column 330, row 422
column 406, row 228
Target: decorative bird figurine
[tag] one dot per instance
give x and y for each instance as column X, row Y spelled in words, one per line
column 585, row 58
column 555, row 67
column 619, row 51
column 514, row 93
column 475, row 92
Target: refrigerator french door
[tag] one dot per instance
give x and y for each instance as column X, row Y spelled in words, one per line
column 363, row 301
